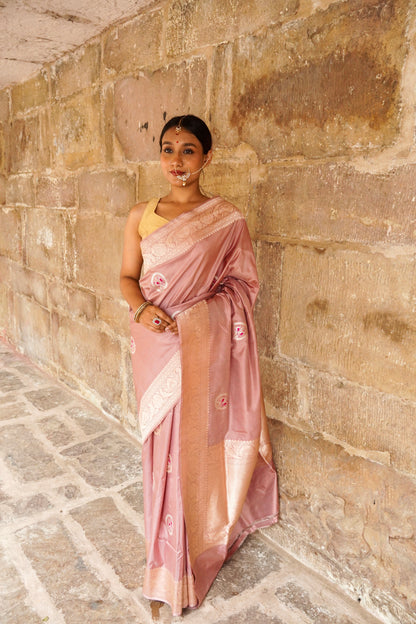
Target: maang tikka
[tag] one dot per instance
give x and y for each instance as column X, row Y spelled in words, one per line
column 179, row 126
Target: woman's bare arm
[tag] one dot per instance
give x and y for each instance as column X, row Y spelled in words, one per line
column 131, row 266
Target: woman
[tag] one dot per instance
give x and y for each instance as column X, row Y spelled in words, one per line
column 208, row 476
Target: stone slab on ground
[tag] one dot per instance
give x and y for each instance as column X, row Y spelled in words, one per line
column 71, row 526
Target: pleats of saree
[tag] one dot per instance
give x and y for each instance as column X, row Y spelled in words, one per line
column 168, row 575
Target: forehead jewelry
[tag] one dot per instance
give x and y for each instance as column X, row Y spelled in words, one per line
column 179, row 126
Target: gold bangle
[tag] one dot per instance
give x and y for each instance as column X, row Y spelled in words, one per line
column 140, row 310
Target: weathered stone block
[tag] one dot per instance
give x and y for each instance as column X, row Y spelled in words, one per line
column 74, row 586
column 98, row 250
column 338, row 409
column 32, row 330
column 351, row 313
column 322, row 86
column 77, row 131
column 31, row 284
column 143, row 105
column 134, row 45
column 91, row 356
column 14, row 595
column 30, row 93
column 4, row 105
column 5, row 155
column 76, row 71
column 89, row 419
column 336, row 203
column 74, row 301
column 55, row 192
column 269, row 267
column 116, row 314
column 2, row 189
column 280, row 388
column 190, row 22
column 48, row 398
column 46, row 241
column 11, row 233
column 30, row 143
column 239, row 573
column 355, row 511
column 19, row 190
column 56, row 431
column 107, row 191
column 105, row 461
column 151, row 182
column 25, row 455
column 117, row 540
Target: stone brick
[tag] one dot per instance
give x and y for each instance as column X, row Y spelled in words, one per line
column 55, row 192
column 323, row 86
column 107, row 191
column 32, row 328
column 229, row 178
column 77, row 131
column 56, row 431
column 134, row 45
column 23, row 508
column 269, row 267
column 13, row 595
column 48, row 398
column 4, row 105
column 91, row 421
column 9, row 382
column 46, row 241
column 19, row 190
column 30, row 93
column 351, row 513
column 390, row 423
column 2, row 189
column 74, row 301
column 116, row 315
column 98, row 249
column 117, row 540
column 280, row 388
column 5, row 149
column 253, row 615
column 76, row 71
column 31, row 284
column 13, row 409
column 91, row 357
column 336, row 202
column 295, row 595
column 25, row 456
column 344, row 311
column 11, row 233
column 133, row 495
column 105, row 461
column 30, row 143
column 151, row 182
column 138, row 120
column 189, row 24
column 76, row 590
column 239, row 573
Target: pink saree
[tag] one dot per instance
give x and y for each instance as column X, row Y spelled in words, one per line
column 208, row 474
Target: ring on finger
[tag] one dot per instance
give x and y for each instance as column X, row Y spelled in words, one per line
column 156, row 321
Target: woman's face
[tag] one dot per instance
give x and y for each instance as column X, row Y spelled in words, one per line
column 182, row 154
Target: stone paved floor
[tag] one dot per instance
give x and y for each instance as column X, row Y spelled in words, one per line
column 71, row 526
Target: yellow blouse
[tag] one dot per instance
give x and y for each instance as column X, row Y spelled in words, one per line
column 151, row 221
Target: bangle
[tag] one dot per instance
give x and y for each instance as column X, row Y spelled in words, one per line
column 140, row 310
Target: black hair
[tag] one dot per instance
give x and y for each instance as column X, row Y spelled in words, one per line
column 194, row 125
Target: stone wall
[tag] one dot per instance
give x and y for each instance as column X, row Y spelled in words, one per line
column 312, row 106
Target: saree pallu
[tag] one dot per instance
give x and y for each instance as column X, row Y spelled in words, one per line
column 208, row 474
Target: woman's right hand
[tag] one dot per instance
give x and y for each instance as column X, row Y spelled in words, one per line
column 153, row 313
